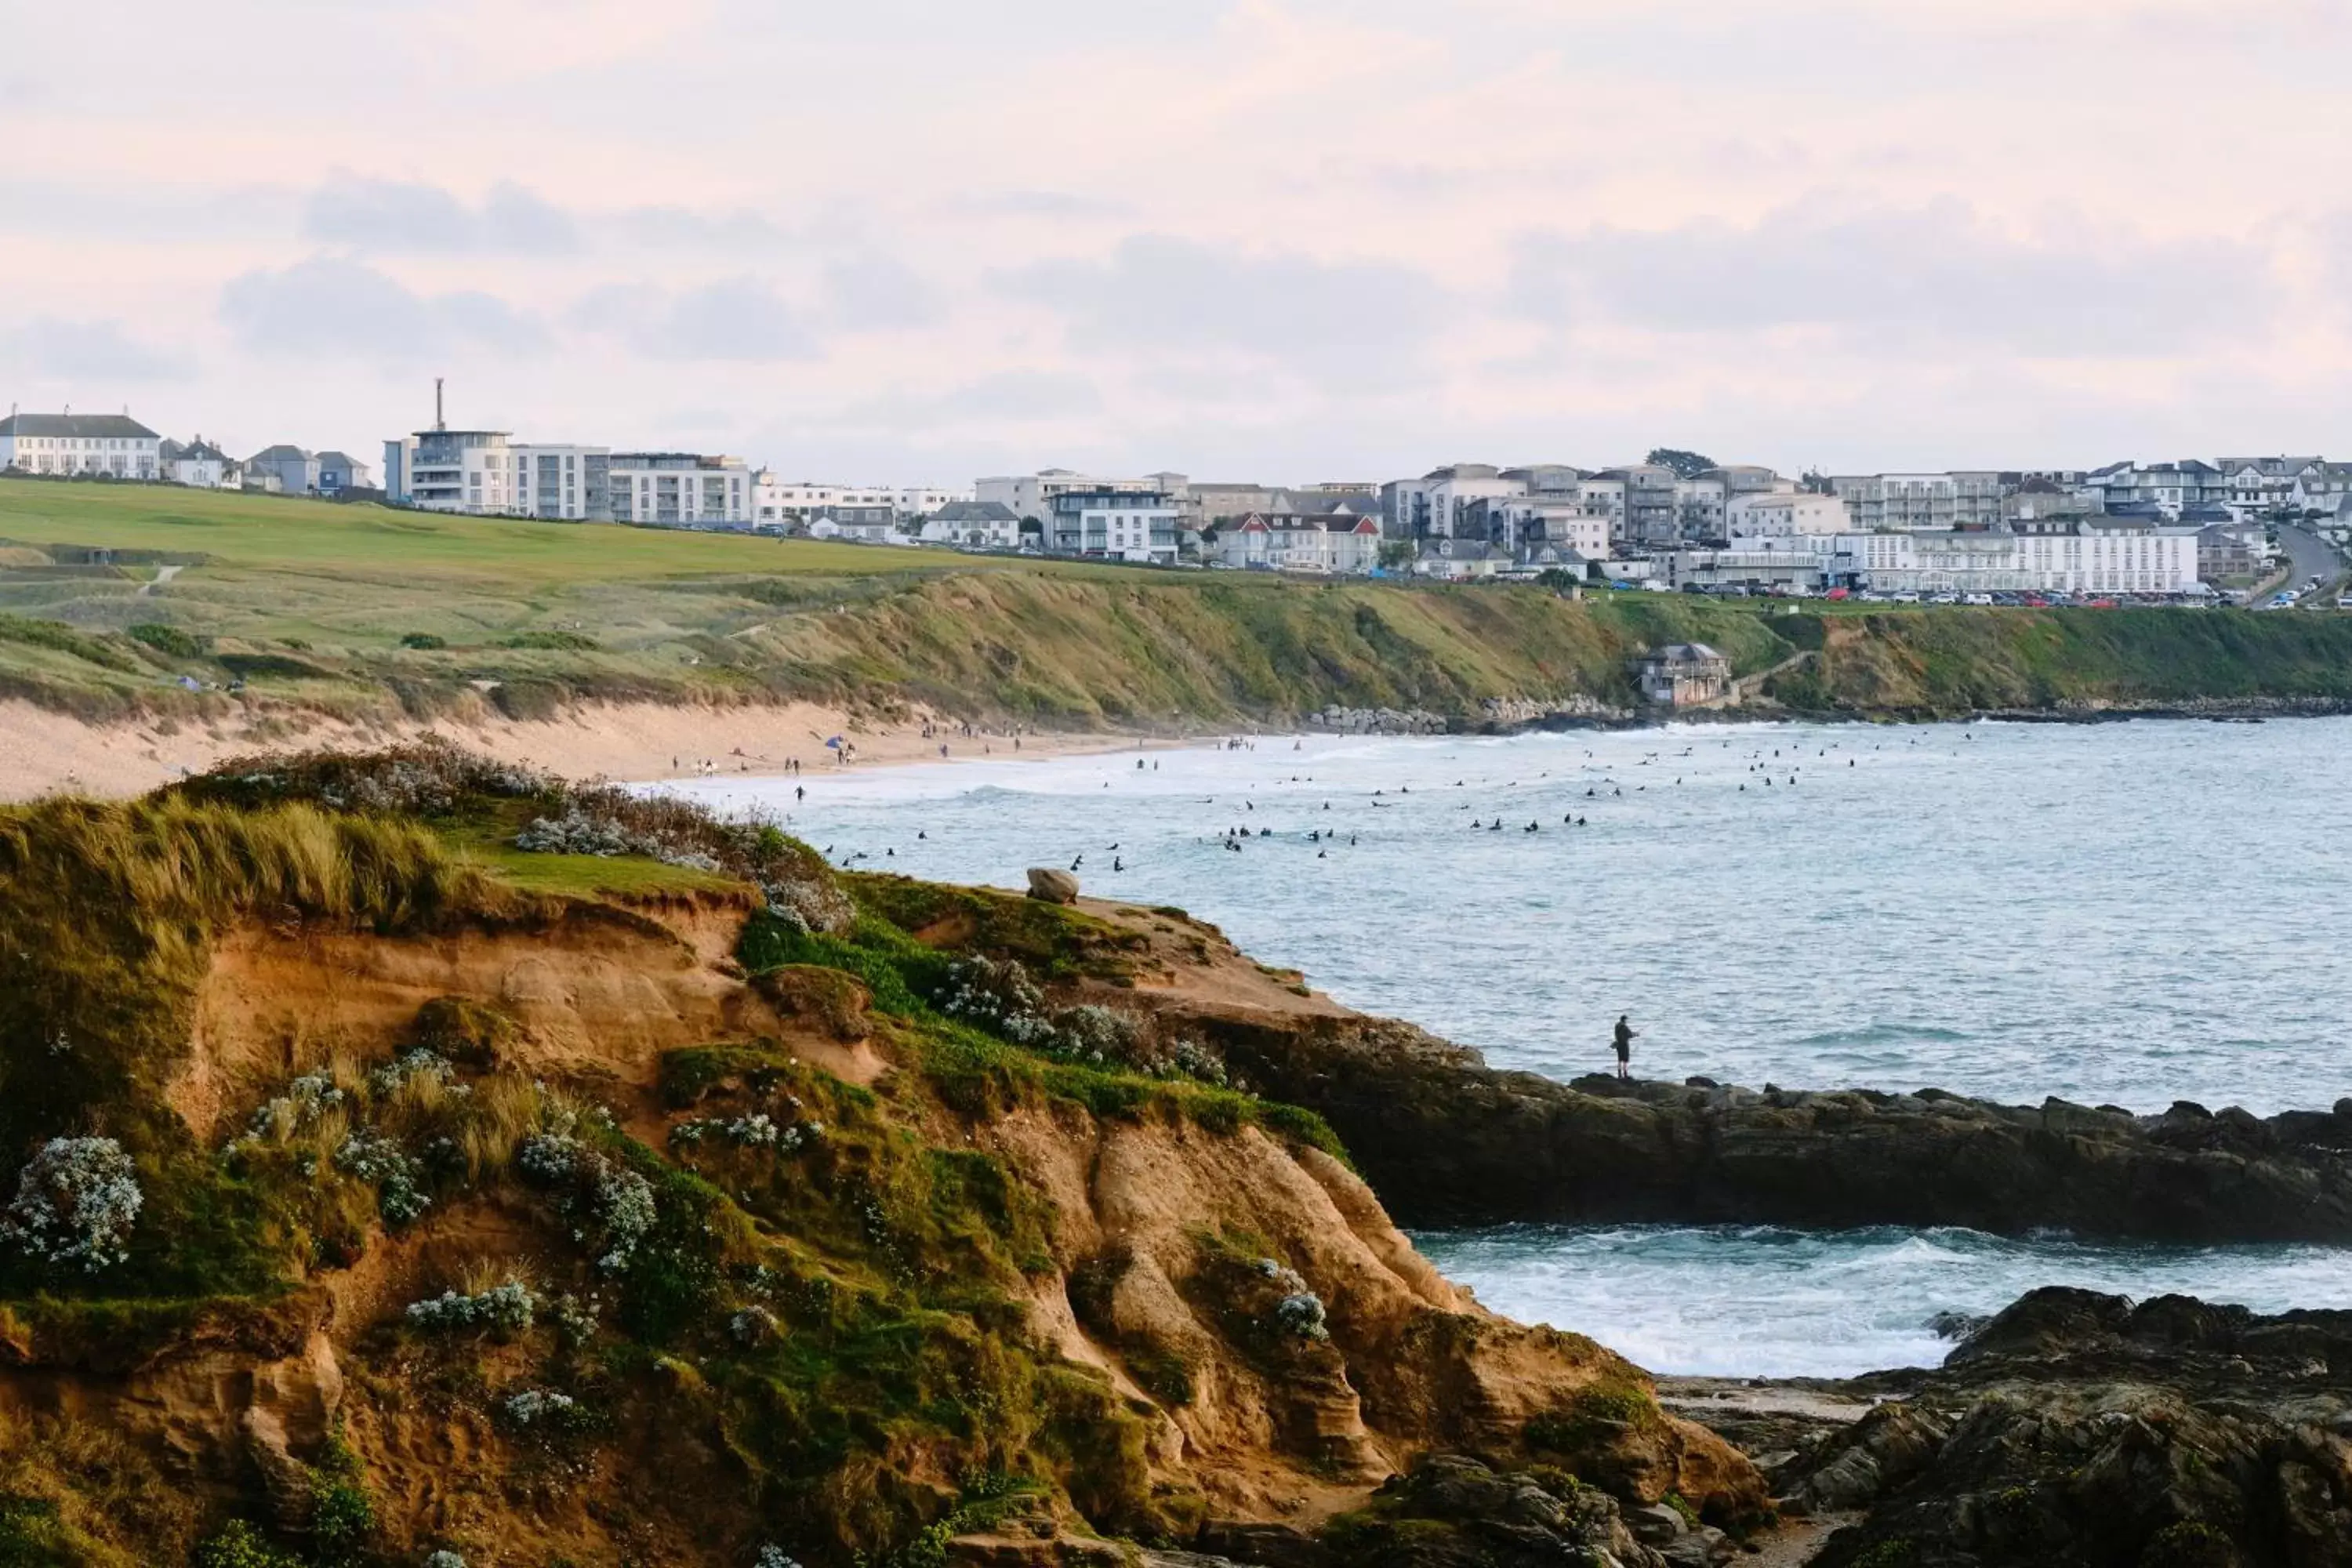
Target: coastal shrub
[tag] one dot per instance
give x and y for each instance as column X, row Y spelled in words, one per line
column 59, row 638
column 759, row 1130
column 773, row 1557
column 396, row 1175
column 75, row 1205
column 554, row 642
column 31, row 1535
column 503, row 1308
column 236, row 1544
column 444, row 1558
column 426, row 641
column 544, row 1410
column 168, row 641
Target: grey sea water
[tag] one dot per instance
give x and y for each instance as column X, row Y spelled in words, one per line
column 2124, row 914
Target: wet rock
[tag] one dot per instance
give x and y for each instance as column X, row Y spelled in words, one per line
column 1447, row 1140
column 1454, row 1512
column 1876, row 1455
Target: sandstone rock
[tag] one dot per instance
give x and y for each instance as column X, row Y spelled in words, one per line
column 1053, row 885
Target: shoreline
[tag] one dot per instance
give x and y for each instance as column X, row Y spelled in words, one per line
column 51, row 752
column 647, row 742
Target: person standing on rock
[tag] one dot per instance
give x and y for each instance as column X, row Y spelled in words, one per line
column 1624, row 1033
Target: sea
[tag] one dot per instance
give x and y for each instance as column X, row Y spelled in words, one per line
column 2128, row 913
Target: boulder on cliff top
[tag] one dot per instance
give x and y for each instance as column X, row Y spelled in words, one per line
column 1053, row 885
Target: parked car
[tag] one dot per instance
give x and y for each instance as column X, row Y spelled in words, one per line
column 1976, row 598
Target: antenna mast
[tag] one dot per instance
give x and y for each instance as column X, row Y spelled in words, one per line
column 439, row 423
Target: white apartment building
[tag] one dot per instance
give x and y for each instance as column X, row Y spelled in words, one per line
column 2094, row 555
column 2256, row 486
column 1963, row 497
column 1780, row 515
column 2167, row 488
column 922, row 500
column 1526, row 523
column 111, row 444
column 1437, row 504
column 680, row 490
column 568, row 483
column 448, row 470
column 1034, row 495
column 781, row 503
column 1116, row 525
column 486, row 473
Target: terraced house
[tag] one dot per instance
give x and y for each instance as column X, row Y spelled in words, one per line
column 114, row 444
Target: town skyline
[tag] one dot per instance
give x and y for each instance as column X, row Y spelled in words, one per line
column 1294, row 238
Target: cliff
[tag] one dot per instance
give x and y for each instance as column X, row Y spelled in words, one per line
column 406, row 1155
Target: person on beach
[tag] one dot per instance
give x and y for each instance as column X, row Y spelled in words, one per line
column 1624, row 1034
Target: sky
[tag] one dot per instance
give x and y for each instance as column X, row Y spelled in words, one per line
column 915, row 241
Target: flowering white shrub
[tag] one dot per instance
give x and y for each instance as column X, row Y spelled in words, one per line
column 601, row 1196
column 1301, row 1315
column 625, row 1207
column 75, row 1203
column 577, row 832
column 444, row 1559
column 773, row 1557
column 506, row 1307
column 753, row 1326
column 548, row 1156
column 1301, row 1310
column 418, row 1063
column 759, row 1130
column 373, row 1157
column 545, row 1408
column 306, row 1099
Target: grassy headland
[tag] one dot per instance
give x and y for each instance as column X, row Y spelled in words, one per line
column 136, row 601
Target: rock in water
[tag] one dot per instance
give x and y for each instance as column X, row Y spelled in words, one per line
column 1053, row 885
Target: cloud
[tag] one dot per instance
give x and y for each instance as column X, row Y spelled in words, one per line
column 48, row 348
column 1162, row 291
column 390, row 217
column 1008, row 396
column 1938, row 271
column 329, row 306
column 1043, row 204
column 874, row 291
column 734, row 319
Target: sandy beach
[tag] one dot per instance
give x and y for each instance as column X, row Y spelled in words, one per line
column 43, row 752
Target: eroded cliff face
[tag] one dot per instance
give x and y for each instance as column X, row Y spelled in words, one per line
column 908, row 1288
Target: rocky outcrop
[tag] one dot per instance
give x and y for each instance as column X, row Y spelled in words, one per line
column 1493, row 713
column 1447, row 1140
column 2075, row 1427
column 1453, row 1511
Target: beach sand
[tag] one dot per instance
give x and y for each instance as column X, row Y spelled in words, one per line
column 43, row 752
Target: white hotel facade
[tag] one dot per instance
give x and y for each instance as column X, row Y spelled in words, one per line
column 112, row 444
column 2090, row 555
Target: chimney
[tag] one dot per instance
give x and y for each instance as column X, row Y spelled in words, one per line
column 438, row 424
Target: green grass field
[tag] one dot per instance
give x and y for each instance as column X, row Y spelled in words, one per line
column 281, row 534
